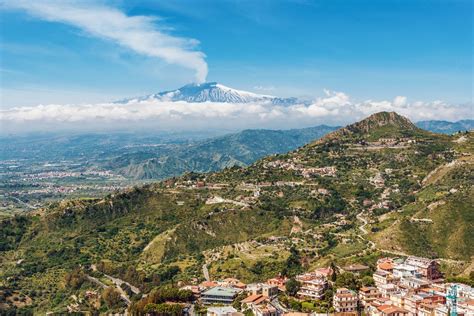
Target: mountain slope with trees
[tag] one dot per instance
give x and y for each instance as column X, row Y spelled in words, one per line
column 284, row 213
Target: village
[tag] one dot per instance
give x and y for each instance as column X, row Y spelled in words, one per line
column 402, row 287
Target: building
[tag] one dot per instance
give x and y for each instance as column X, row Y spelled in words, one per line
column 222, row 311
column 428, row 268
column 324, row 272
column 253, row 299
column 264, row 310
column 232, row 282
column 279, row 282
column 382, row 277
column 219, row 295
column 385, row 264
column 388, row 289
column 262, row 288
column 414, row 283
column 405, row 271
column 312, row 286
column 390, row 310
column 345, row 300
column 368, row 294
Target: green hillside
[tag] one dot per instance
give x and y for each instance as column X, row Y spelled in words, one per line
column 239, row 149
column 283, row 214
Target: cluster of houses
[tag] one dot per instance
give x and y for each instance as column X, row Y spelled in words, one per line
column 399, row 142
column 406, row 288
column 409, row 287
column 305, row 171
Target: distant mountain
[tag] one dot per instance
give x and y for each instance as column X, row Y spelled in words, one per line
column 239, row 149
column 212, row 92
column 445, row 127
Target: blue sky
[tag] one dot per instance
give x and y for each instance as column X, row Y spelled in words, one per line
column 368, row 49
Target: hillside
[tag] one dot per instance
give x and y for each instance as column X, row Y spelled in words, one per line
column 239, row 149
column 446, row 127
column 247, row 221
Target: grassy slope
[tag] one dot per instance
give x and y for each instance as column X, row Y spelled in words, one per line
column 451, row 233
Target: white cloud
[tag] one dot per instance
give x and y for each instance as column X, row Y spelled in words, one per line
column 335, row 108
column 264, row 88
column 138, row 33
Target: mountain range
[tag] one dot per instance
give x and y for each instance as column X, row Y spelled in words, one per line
column 378, row 187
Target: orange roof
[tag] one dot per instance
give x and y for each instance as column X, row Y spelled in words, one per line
column 208, row 284
column 386, row 266
column 367, row 289
column 260, row 300
column 391, row 309
column 469, row 302
column 252, row 298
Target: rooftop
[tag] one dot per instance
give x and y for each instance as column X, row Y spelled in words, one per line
column 222, row 310
column 221, row 291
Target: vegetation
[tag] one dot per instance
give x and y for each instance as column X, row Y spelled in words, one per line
column 284, row 214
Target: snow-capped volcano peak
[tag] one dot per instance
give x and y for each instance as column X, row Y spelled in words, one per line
column 213, row 92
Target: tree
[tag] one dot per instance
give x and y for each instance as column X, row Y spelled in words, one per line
column 75, row 278
column 292, row 286
column 111, row 297
column 347, row 280
column 368, row 281
column 293, row 263
column 334, row 271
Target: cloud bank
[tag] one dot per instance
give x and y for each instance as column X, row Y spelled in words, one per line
column 334, row 108
column 138, row 33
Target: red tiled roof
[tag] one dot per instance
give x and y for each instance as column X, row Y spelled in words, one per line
column 252, row 298
column 386, row 266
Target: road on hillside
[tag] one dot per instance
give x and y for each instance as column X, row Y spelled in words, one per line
column 393, row 252
column 205, row 271
column 123, row 295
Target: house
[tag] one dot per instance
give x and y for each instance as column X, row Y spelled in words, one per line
column 414, row 283
column 324, row 272
column 262, row 288
column 266, row 309
column 253, row 299
column 222, row 311
column 279, row 282
column 345, row 300
column 468, row 306
column 385, row 264
column 219, row 295
column 405, row 271
column 390, row 310
column 428, row 268
column 312, row 286
column 368, row 294
column 382, row 277
column 232, row 282
column 387, row 289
